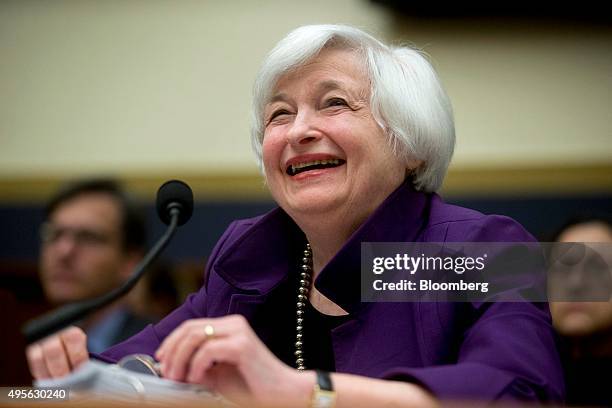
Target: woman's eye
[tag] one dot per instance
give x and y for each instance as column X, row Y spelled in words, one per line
column 278, row 113
column 336, row 102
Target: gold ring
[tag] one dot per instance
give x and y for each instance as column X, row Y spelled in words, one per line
column 209, row 331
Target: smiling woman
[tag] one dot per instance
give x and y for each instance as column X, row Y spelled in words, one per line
column 321, row 112
column 354, row 138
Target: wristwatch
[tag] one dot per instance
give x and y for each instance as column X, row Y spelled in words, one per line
column 323, row 394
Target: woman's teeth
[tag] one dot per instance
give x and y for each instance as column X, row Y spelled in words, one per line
column 311, row 165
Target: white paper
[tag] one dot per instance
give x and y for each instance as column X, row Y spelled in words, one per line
column 95, row 379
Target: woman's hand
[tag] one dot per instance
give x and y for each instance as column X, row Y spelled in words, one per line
column 226, row 356
column 59, row 354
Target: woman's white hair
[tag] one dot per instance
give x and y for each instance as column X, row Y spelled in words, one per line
column 406, row 98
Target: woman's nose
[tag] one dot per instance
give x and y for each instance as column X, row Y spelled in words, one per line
column 303, row 130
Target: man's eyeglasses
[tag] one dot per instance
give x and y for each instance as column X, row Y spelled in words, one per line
column 51, row 234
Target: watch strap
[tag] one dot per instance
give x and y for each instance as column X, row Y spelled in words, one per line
column 324, row 380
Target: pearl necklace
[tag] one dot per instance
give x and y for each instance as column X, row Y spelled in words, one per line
column 302, row 298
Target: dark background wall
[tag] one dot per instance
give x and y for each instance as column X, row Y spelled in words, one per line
column 540, row 215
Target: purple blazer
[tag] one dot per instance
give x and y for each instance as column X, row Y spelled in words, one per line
column 484, row 351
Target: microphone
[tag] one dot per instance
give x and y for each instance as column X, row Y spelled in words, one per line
column 174, row 195
column 174, row 207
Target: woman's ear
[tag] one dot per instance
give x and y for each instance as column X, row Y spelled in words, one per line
column 413, row 165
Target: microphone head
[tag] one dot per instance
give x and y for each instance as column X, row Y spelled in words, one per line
column 174, row 194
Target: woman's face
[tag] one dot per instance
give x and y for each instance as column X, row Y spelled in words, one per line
column 323, row 152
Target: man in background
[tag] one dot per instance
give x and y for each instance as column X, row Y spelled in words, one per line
column 92, row 238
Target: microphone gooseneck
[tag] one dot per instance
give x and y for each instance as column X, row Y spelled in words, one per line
column 174, row 206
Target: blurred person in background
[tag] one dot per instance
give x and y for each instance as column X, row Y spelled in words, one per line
column 585, row 328
column 92, row 238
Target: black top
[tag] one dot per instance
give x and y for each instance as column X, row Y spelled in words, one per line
column 317, row 343
column 279, row 333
